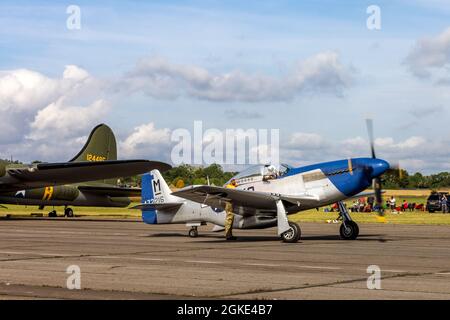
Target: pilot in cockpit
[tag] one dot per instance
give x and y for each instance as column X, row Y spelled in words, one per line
column 271, row 173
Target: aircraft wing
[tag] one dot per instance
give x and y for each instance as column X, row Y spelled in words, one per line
column 244, row 202
column 45, row 174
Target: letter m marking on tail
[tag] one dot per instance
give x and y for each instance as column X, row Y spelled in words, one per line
column 156, row 187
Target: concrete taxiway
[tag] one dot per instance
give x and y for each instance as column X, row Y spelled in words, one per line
column 131, row 260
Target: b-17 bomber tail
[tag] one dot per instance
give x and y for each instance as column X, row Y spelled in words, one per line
column 100, row 146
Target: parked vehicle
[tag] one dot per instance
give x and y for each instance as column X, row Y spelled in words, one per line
column 434, row 201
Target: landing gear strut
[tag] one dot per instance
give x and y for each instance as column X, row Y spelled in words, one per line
column 349, row 229
column 193, row 232
column 287, row 230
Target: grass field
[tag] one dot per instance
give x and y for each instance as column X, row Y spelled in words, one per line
column 403, row 218
column 14, row 210
column 418, row 217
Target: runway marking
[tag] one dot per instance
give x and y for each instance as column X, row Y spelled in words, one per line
column 261, row 264
column 131, row 258
column 36, row 254
column 443, row 273
column 16, row 231
column 202, row 261
column 318, row 267
column 150, row 259
column 395, row 271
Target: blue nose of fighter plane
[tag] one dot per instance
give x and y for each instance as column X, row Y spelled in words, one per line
column 378, row 167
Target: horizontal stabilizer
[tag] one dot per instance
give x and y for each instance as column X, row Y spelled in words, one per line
column 158, row 206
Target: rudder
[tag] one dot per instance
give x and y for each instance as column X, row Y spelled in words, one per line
column 148, row 215
column 155, row 191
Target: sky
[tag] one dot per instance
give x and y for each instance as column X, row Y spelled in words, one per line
column 311, row 69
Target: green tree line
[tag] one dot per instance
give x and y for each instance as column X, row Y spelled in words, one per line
column 185, row 175
column 400, row 178
column 189, row 175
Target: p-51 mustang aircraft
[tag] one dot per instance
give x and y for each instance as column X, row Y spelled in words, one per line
column 64, row 184
column 266, row 195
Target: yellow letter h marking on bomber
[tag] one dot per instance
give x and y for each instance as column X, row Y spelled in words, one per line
column 48, row 192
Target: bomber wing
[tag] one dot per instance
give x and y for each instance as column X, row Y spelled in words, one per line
column 45, row 174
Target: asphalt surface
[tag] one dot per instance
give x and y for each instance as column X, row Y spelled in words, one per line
column 131, row 260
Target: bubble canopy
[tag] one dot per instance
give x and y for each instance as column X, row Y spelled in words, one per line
column 263, row 170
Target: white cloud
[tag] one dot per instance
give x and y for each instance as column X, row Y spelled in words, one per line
column 148, row 142
column 234, row 114
column 161, row 79
column 40, row 114
column 23, row 89
column 60, row 120
column 430, row 54
column 75, row 73
column 412, row 143
column 27, row 96
column 415, row 153
column 306, row 141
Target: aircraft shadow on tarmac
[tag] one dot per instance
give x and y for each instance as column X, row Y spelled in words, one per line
column 254, row 238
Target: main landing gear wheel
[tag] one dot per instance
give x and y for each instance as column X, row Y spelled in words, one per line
column 68, row 212
column 349, row 231
column 193, row 233
column 293, row 234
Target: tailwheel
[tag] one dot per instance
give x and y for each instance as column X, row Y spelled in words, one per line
column 68, row 212
column 293, row 234
column 193, row 232
column 349, row 230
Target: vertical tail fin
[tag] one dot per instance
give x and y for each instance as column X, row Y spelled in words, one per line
column 155, row 191
column 100, row 146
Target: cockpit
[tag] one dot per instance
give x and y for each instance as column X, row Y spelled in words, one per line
column 264, row 172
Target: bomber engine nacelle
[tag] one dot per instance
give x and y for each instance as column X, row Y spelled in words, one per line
column 69, row 193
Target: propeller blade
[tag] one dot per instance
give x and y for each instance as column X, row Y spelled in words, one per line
column 376, row 181
column 378, row 199
column 377, row 189
column 369, row 123
column 350, row 166
column 398, row 168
